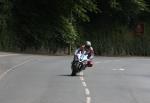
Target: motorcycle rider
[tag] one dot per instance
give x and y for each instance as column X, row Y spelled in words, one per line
column 89, row 50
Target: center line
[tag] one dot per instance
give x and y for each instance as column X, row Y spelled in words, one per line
column 87, row 92
column 84, row 84
column 88, row 99
column 81, row 78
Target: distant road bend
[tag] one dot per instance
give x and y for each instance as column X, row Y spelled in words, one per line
column 30, row 78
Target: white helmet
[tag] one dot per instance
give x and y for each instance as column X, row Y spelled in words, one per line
column 88, row 43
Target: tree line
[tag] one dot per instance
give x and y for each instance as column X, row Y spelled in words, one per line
column 50, row 26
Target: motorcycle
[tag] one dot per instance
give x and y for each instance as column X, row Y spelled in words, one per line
column 79, row 63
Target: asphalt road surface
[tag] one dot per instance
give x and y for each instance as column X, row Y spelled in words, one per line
column 28, row 78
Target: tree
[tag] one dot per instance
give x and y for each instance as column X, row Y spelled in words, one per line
column 37, row 22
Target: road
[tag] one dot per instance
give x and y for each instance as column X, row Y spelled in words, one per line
column 28, row 78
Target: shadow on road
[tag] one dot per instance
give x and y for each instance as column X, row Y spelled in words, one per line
column 69, row 75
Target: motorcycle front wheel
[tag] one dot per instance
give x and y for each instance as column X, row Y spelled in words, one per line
column 73, row 73
column 73, row 68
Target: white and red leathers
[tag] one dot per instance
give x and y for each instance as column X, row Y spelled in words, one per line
column 89, row 51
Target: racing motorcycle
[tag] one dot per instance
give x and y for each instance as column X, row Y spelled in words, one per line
column 79, row 63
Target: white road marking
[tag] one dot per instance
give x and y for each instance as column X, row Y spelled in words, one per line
column 87, row 91
column 82, row 78
column 88, row 99
column 81, row 73
column 120, row 69
column 84, row 84
column 8, row 55
column 12, row 68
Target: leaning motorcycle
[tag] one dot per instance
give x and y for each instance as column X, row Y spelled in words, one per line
column 79, row 63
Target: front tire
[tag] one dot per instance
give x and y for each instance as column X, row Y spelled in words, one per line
column 73, row 73
column 73, row 68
